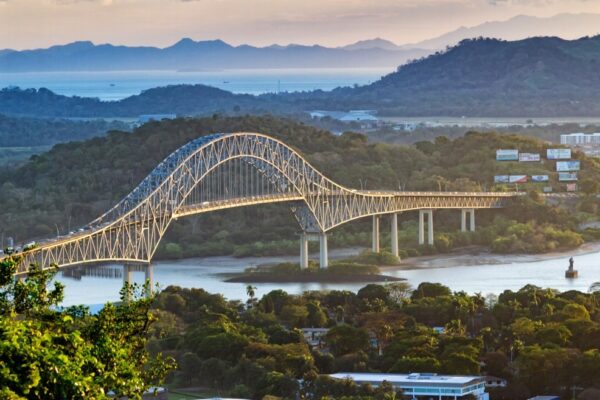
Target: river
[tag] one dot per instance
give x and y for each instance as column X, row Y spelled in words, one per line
column 481, row 272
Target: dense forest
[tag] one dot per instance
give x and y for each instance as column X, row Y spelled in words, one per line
column 546, row 132
column 175, row 99
column 539, row 340
column 535, row 77
column 73, row 183
column 23, row 132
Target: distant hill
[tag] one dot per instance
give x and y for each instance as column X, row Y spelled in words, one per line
column 188, row 54
column 484, row 77
column 376, row 43
column 537, row 77
column 176, row 99
column 571, row 26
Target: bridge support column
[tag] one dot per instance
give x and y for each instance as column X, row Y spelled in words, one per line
column 323, row 257
column 429, row 227
column 395, row 251
column 463, row 220
column 375, row 240
column 128, row 279
column 149, row 279
column 303, row 251
column 127, row 274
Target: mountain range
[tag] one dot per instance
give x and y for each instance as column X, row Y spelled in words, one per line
column 190, row 55
column 566, row 26
column 535, row 77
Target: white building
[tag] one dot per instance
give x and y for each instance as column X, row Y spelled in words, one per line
column 580, row 139
column 350, row 116
column 314, row 336
column 359, row 116
column 425, row 386
column 495, row 382
column 544, row 398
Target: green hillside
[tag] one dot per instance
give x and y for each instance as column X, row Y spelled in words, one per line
column 536, row 77
column 75, row 182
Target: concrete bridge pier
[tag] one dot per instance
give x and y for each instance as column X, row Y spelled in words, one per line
column 149, row 278
column 375, row 240
column 395, row 235
column 323, row 257
column 127, row 274
column 463, row 219
column 429, row 214
column 303, row 250
column 148, row 269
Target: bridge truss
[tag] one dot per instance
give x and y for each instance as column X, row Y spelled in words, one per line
column 223, row 171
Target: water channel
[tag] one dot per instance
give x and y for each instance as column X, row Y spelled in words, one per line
column 472, row 272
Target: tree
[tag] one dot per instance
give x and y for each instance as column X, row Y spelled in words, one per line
column 51, row 353
column 294, row 316
column 344, row 339
column 399, row 292
column 251, row 292
column 316, row 315
column 428, row 289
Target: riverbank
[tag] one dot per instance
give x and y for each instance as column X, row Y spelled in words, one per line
column 313, row 278
column 481, row 255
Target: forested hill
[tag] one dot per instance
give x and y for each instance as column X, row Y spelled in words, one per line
column 175, row 99
column 486, row 77
column 534, row 77
column 75, row 182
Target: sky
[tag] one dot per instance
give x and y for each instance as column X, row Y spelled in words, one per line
column 26, row 24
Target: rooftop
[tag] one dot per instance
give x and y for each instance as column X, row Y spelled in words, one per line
column 409, row 379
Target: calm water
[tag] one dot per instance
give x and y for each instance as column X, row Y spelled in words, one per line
column 116, row 85
column 485, row 274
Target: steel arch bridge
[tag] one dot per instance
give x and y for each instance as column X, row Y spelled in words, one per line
column 222, row 171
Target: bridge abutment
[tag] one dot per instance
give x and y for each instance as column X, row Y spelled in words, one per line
column 375, row 237
column 429, row 214
column 395, row 250
column 463, row 219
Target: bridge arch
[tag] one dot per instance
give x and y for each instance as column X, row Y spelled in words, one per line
column 131, row 230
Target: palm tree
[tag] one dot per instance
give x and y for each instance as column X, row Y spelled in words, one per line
column 250, row 291
column 595, row 287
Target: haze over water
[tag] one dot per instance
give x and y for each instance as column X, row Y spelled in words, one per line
column 116, row 85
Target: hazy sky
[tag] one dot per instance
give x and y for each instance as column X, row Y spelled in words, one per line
column 40, row 23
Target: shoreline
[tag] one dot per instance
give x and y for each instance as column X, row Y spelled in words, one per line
column 480, row 255
column 312, row 278
column 464, row 256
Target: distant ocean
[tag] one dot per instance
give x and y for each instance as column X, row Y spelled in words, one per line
column 116, row 85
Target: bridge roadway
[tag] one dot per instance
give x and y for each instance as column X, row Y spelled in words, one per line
column 225, row 171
